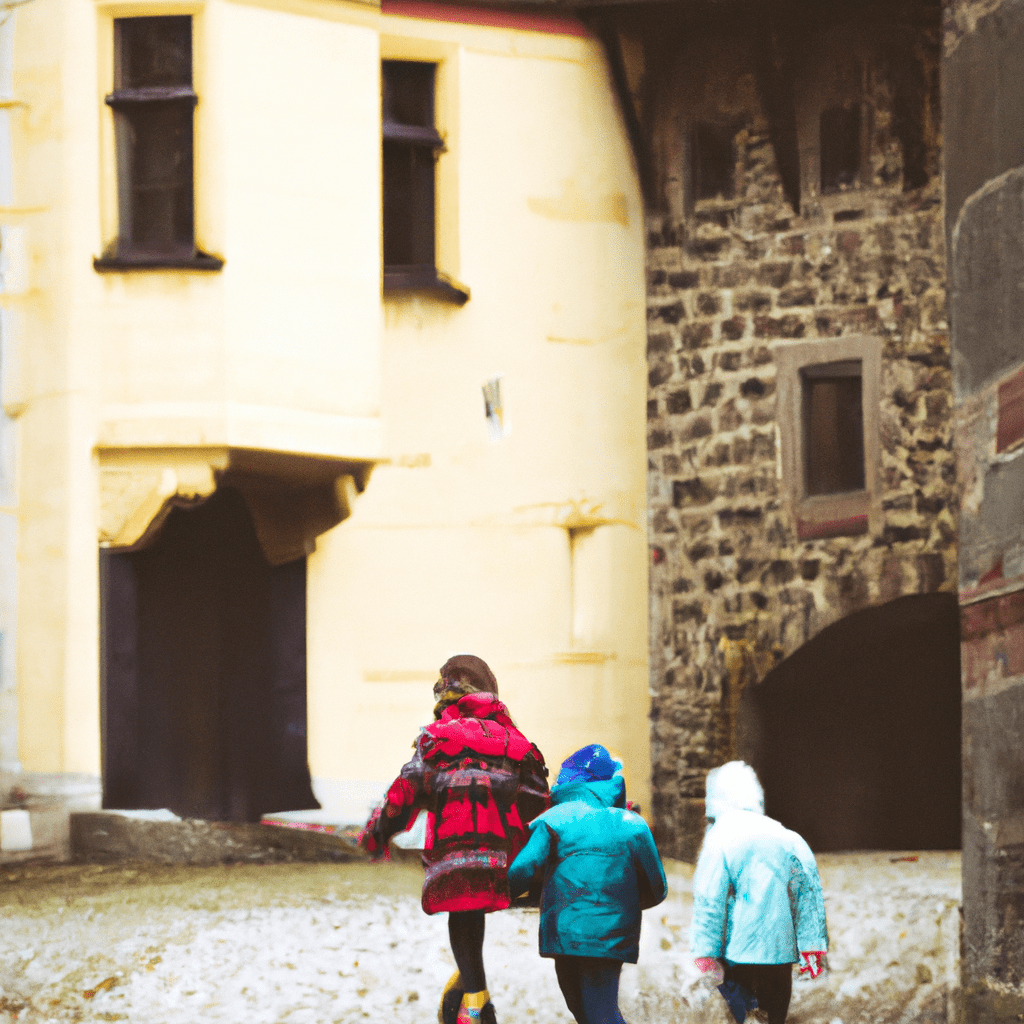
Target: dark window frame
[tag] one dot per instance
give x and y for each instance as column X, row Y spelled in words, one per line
column 841, row 153
column 839, row 513
column 708, row 143
column 829, row 467
column 153, row 104
column 410, row 146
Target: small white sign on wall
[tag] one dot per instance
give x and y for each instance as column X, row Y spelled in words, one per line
column 494, row 410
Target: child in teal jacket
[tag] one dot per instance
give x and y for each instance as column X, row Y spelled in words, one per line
column 601, row 868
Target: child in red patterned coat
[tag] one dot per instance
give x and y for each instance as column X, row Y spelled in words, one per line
column 480, row 781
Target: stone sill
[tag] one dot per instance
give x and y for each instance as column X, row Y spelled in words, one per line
column 833, row 515
column 199, row 261
column 849, row 526
column 426, row 281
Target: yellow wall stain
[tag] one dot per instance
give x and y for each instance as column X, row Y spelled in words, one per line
column 575, row 205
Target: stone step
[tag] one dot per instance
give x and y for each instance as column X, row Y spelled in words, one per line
column 109, row 837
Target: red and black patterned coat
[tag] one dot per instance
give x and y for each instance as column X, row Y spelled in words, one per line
column 481, row 781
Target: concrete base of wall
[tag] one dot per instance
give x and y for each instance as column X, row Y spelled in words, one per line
column 65, row 823
column 49, row 799
column 109, row 837
column 981, row 1003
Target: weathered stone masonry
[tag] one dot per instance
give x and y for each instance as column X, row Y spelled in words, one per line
column 733, row 283
column 983, row 91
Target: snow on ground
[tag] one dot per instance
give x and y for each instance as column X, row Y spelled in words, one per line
column 339, row 944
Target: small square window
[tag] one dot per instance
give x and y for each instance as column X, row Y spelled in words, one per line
column 152, row 52
column 153, row 103
column 833, row 427
column 713, row 161
column 839, row 147
column 408, row 95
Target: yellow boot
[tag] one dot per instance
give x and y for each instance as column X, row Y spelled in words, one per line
column 451, row 1000
column 476, row 1008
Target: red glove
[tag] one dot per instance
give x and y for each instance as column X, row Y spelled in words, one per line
column 708, row 964
column 371, row 838
column 815, row 963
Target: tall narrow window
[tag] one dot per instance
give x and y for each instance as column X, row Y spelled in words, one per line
column 153, row 103
column 713, row 168
column 411, row 143
column 833, row 427
column 839, row 147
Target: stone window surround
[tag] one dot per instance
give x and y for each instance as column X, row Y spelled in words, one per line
column 823, row 88
column 829, row 515
column 820, row 85
column 811, row 103
column 809, row 130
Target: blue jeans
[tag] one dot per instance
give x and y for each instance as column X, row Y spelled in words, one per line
column 590, row 987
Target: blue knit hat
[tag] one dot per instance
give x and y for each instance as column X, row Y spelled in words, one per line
column 592, row 763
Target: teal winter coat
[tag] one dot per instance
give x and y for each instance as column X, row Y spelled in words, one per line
column 601, row 868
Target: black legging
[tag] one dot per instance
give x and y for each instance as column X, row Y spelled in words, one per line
column 770, row 984
column 466, row 935
column 591, row 988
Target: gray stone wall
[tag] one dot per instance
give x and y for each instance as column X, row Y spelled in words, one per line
column 983, row 87
column 733, row 282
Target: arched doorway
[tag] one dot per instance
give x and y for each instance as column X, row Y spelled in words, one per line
column 204, row 670
column 856, row 736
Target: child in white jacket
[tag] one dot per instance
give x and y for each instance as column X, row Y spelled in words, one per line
column 757, row 900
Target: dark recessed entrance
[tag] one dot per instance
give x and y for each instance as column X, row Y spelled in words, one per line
column 204, row 670
column 856, row 736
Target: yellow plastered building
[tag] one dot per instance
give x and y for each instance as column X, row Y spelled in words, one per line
column 291, row 415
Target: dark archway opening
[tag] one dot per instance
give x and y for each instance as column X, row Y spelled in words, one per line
column 204, row 670
column 856, row 736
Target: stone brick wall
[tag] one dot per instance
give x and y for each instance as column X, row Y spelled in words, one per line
column 731, row 283
column 983, row 79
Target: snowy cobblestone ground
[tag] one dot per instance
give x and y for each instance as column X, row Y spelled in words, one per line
column 324, row 944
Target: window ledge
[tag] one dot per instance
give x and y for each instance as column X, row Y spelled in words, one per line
column 833, row 515
column 152, row 93
column 429, row 281
column 200, row 261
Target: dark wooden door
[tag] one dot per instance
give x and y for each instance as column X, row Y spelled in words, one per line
column 204, row 671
